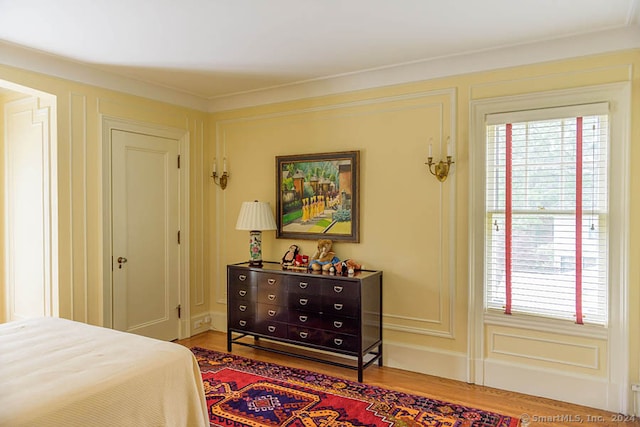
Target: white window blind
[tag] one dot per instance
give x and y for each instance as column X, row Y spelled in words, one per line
column 547, row 212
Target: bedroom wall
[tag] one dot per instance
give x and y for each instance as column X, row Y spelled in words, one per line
column 412, row 227
column 80, row 111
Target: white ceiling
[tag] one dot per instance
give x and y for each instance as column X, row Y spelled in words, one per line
column 215, row 49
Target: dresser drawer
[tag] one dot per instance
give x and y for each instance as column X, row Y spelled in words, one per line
column 342, row 289
column 272, row 329
column 305, row 286
column 269, row 312
column 306, row 318
column 241, row 307
column 239, row 321
column 305, row 335
column 271, row 282
column 272, row 296
column 312, row 303
column 340, row 341
column 242, row 292
column 240, row 275
column 338, row 306
column 339, row 324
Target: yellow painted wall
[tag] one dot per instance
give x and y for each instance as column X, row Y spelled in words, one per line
column 412, row 227
column 79, row 113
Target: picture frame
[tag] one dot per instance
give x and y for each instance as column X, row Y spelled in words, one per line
column 318, row 197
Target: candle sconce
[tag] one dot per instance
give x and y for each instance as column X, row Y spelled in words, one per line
column 441, row 169
column 220, row 180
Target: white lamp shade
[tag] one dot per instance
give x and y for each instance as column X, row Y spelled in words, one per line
column 255, row 216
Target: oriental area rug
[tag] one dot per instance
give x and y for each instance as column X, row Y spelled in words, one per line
column 244, row 392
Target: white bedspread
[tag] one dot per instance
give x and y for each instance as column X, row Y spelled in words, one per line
column 55, row 372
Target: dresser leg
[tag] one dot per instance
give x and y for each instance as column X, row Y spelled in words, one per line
column 229, row 341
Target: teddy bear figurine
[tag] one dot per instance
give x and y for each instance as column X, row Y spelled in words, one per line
column 324, row 258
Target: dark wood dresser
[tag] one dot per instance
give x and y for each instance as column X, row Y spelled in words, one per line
column 335, row 313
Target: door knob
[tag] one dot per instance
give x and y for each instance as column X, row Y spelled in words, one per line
column 121, row 260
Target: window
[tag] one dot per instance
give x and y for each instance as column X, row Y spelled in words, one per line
column 546, row 207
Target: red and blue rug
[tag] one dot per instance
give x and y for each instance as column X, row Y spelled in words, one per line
column 244, row 392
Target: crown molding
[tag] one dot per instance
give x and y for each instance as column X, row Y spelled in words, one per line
column 470, row 62
column 43, row 63
column 509, row 56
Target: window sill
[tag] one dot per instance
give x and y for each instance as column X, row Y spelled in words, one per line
column 563, row 327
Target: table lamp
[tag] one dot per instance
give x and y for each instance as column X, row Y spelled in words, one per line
column 256, row 217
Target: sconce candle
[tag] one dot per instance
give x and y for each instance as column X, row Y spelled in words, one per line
column 222, row 179
column 440, row 169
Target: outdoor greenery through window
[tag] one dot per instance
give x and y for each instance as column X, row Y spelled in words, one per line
column 546, row 215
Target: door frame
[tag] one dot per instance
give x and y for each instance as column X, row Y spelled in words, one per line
column 109, row 124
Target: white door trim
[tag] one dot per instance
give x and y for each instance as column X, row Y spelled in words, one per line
column 182, row 136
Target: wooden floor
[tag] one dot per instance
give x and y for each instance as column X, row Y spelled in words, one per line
column 541, row 412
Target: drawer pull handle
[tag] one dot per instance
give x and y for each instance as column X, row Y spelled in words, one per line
column 304, row 335
column 337, row 341
column 337, row 324
column 242, row 277
column 271, row 313
column 303, row 301
column 303, row 285
column 271, row 281
column 242, row 307
column 271, row 328
column 271, row 297
column 337, row 289
column 337, row 306
column 303, row 318
column 243, row 323
column 242, row 292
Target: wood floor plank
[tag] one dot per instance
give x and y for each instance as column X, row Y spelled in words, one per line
column 542, row 412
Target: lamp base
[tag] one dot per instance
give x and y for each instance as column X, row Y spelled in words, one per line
column 255, row 248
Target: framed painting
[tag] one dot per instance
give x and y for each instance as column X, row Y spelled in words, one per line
column 317, row 196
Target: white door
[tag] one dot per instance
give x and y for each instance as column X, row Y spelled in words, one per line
column 145, row 221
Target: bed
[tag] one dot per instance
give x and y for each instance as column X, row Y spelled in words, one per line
column 56, row 372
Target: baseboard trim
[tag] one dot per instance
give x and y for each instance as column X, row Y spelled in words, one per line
column 595, row 392
column 425, row 360
column 204, row 322
column 219, row 321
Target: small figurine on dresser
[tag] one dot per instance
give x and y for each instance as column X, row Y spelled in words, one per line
column 289, row 257
column 348, row 266
column 324, row 258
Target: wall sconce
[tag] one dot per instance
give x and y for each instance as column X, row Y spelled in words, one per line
column 222, row 179
column 441, row 168
column 256, row 217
